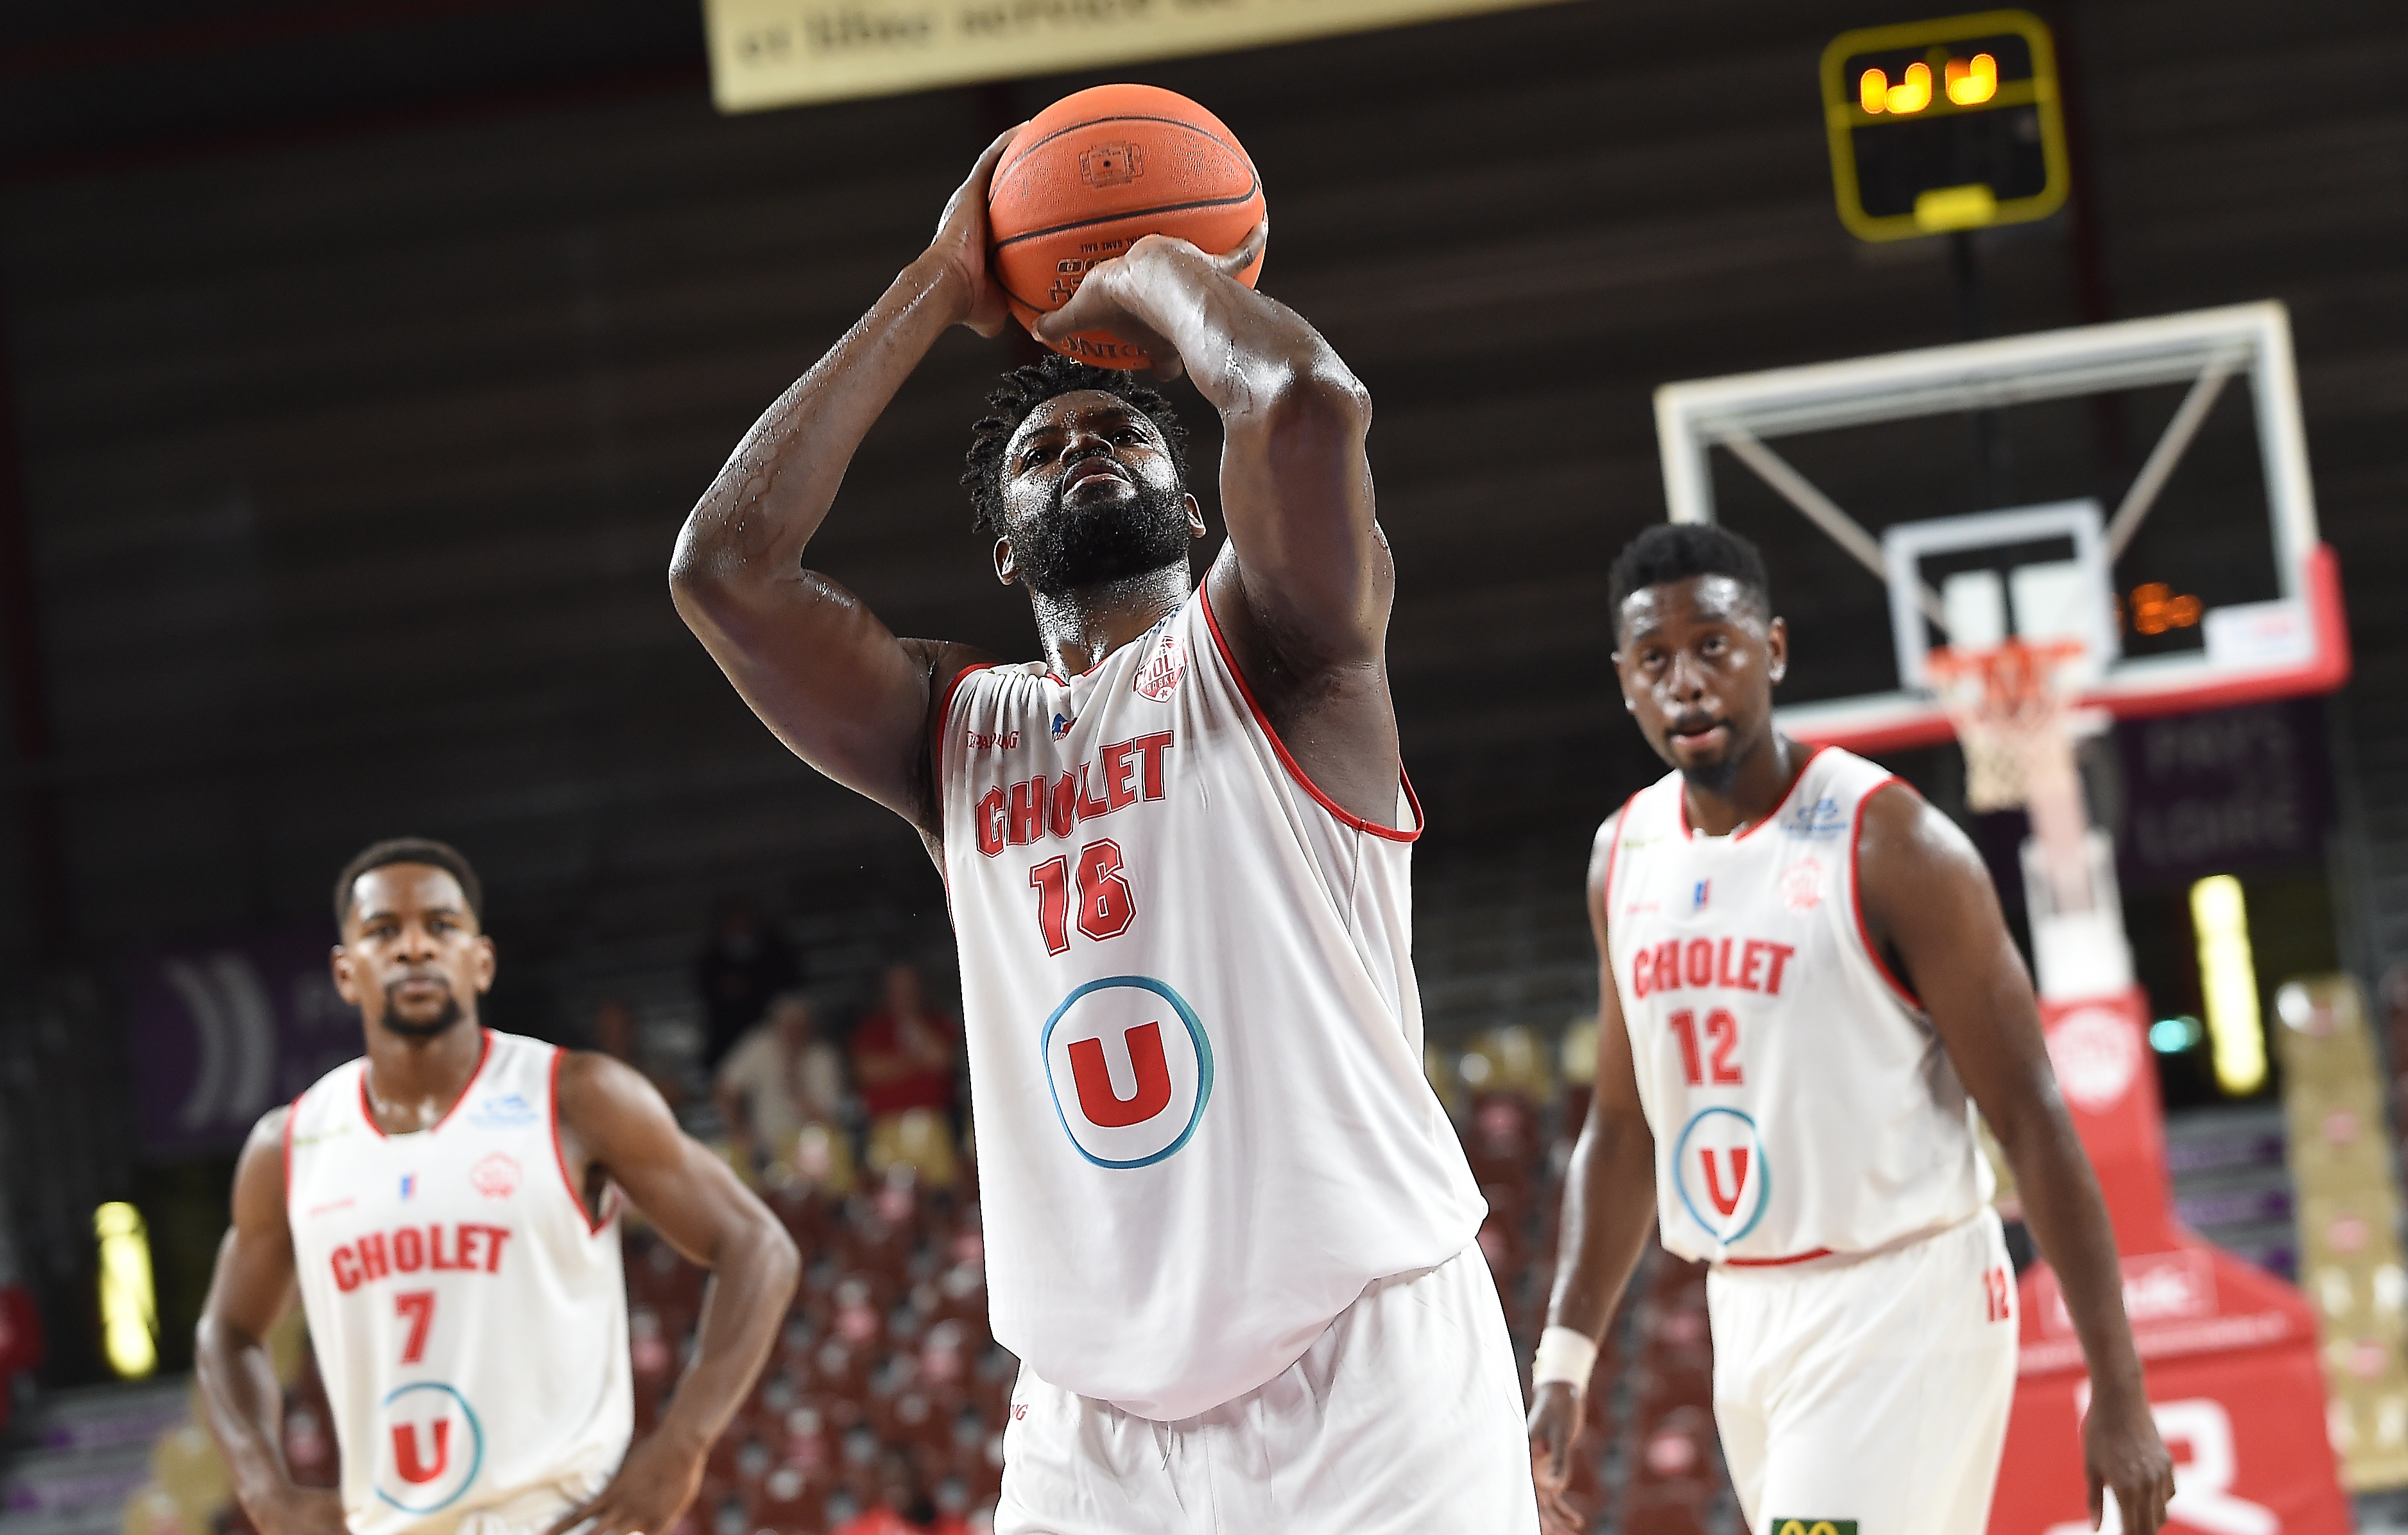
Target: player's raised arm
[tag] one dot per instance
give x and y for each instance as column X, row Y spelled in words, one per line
column 1609, row 1207
column 615, row 1128
column 817, row 666
column 1927, row 896
column 1303, row 592
column 239, row 1393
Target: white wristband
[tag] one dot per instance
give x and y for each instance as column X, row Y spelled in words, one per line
column 1566, row 1354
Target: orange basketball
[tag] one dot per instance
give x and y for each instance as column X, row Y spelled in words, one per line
column 1097, row 171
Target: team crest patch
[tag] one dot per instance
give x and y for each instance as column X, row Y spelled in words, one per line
column 1159, row 677
column 496, row 1175
column 1813, row 1527
column 1804, row 885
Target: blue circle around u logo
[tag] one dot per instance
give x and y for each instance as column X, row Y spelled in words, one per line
column 475, row 1446
column 1196, row 1038
column 1762, row 1180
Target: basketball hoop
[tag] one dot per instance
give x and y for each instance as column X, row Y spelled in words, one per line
column 2008, row 703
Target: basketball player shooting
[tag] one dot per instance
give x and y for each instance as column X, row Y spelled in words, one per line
column 1805, row 973
column 1230, row 1232
column 448, row 1205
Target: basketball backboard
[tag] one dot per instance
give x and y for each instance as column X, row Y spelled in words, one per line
column 1973, row 576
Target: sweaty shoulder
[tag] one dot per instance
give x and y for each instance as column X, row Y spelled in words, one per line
column 270, row 1131
column 592, row 1085
column 259, row 1172
column 1600, row 867
column 1600, row 851
column 1904, row 844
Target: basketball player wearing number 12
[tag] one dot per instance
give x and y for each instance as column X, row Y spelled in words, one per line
column 1805, row 974
column 1230, row 1232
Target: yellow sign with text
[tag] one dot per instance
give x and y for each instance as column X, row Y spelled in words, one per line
column 784, row 52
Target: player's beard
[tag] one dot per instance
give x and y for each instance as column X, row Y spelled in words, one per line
column 1103, row 541
column 1713, row 778
column 434, row 1027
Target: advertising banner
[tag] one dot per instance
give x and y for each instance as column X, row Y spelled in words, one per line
column 784, row 52
column 222, row 1032
column 2225, row 792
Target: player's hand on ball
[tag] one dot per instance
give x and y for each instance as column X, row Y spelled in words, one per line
column 2122, row 1453
column 1108, row 295
column 655, row 1482
column 1555, row 1429
column 961, row 242
column 304, row 1511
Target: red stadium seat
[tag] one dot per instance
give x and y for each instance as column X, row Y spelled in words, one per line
column 1667, row 1509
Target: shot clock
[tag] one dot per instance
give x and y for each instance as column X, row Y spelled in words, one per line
column 1942, row 125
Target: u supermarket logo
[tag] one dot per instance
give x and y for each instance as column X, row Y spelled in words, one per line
column 1130, row 1067
column 430, row 1450
column 1719, row 1167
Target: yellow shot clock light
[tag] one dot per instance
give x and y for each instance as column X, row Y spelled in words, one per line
column 1942, row 125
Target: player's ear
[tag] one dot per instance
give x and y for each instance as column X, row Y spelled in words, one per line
column 346, row 984
column 1195, row 517
column 1776, row 642
column 1006, row 570
column 481, row 968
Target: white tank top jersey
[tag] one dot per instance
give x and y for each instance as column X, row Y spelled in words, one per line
column 1194, row 1031
column 1801, row 1103
column 470, row 1322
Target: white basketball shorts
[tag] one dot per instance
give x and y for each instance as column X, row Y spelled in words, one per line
column 1869, row 1396
column 1403, row 1418
column 530, row 1511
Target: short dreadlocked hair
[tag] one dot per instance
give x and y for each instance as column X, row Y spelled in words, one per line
column 1671, row 551
column 1023, row 390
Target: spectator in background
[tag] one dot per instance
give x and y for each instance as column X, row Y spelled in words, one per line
column 744, row 964
column 904, row 1506
column 780, row 1081
column 903, row 1054
column 615, row 1036
column 903, row 1061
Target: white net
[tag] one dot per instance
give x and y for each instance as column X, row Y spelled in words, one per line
column 2009, row 705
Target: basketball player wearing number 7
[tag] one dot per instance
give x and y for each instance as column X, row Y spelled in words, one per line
column 1805, row 974
column 447, row 1206
column 1230, row 1233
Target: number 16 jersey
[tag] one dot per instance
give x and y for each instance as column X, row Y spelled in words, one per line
column 1194, row 1032
column 1801, row 1103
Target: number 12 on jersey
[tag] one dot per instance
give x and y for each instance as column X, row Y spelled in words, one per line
column 1106, row 904
column 1722, row 1033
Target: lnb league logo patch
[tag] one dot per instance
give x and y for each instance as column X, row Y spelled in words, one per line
column 432, row 1447
column 1131, row 1069
column 1719, row 1167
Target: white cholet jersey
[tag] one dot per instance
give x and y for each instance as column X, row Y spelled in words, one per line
column 1801, row 1103
column 1194, row 1032
column 470, row 1321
